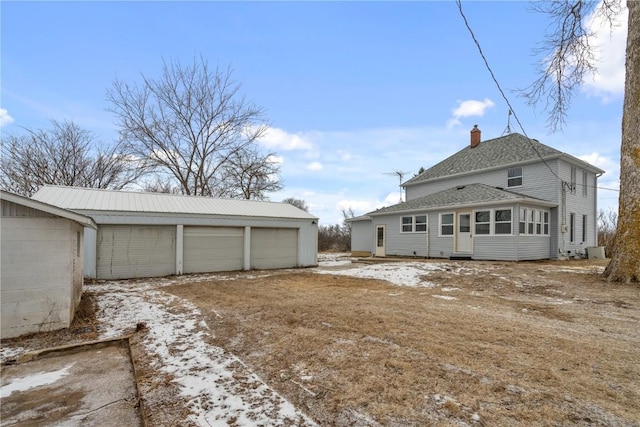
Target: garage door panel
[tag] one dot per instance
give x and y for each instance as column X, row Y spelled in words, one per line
column 129, row 251
column 274, row 248
column 208, row 249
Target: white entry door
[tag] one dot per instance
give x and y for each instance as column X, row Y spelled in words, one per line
column 380, row 237
column 464, row 238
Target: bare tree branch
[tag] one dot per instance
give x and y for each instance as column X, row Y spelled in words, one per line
column 567, row 55
column 64, row 155
column 191, row 123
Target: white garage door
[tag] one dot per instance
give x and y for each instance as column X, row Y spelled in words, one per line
column 208, row 249
column 274, row 248
column 128, row 251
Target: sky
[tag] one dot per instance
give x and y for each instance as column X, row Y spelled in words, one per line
column 353, row 91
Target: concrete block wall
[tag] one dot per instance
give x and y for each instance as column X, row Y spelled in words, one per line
column 41, row 273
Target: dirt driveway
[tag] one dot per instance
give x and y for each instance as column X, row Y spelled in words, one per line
column 544, row 343
column 437, row 343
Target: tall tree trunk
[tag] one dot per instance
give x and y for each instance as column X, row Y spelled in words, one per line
column 625, row 261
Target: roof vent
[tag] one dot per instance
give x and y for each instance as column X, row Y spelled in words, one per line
column 460, row 187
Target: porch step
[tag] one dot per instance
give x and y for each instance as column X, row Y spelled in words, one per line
column 460, row 257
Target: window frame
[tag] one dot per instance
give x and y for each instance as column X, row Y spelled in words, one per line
column 414, row 224
column 584, row 228
column 574, row 175
column 534, row 220
column 572, row 227
column 545, row 223
column 404, row 224
column 441, row 224
column 515, row 177
column 482, row 223
column 585, row 185
column 495, row 222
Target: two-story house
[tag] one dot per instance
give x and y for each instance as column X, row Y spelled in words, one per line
column 508, row 198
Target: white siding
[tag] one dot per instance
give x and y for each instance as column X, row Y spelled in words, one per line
column 41, row 273
column 579, row 205
column 130, row 251
column 538, row 181
column 274, row 248
column 208, row 249
column 362, row 236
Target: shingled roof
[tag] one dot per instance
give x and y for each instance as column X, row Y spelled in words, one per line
column 471, row 194
column 505, row 150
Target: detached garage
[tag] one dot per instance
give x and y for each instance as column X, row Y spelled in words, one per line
column 154, row 234
column 41, row 265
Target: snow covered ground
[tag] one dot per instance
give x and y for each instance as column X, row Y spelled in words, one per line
column 219, row 388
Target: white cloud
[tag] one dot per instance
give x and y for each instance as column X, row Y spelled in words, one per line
column 279, row 139
column 610, row 166
column 276, row 159
column 314, row 166
column 5, row 118
column 393, row 198
column 469, row 108
column 609, row 46
column 358, row 206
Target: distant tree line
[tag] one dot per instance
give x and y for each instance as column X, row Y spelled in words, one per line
column 607, row 222
column 333, row 237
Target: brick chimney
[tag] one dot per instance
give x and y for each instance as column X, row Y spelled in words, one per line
column 475, row 136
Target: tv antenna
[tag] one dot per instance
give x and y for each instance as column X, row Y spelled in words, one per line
column 400, row 174
column 507, row 130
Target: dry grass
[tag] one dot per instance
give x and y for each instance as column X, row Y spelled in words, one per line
column 522, row 344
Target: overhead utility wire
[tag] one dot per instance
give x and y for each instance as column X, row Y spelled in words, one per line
column 486, row 62
column 495, row 80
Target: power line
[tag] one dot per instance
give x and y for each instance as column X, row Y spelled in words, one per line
column 495, row 80
column 511, row 109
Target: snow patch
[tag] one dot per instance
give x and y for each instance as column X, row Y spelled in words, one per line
column 36, row 380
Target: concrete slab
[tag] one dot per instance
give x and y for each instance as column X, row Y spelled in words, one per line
column 88, row 385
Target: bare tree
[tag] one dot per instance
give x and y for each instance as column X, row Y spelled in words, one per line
column 570, row 58
column 188, row 123
column 607, row 221
column 66, row 154
column 248, row 174
column 298, row 203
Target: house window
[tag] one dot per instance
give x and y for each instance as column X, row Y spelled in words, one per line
column 538, row 222
column 573, row 180
column 410, row 224
column 446, row 224
column 522, row 229
column 546, row 223
column 530, row 221
column 585, row 178
column 514, row 177
column 502, row 218
column 572, row 227
column 584, row 228
column 483, row 222
column 407, row 224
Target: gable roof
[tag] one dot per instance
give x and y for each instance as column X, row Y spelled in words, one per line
column 506, row 150
column 50, row 209
column 92, row 199
column 464, row 195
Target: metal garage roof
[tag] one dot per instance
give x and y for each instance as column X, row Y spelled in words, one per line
column 48, row 208
column 91, row 199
